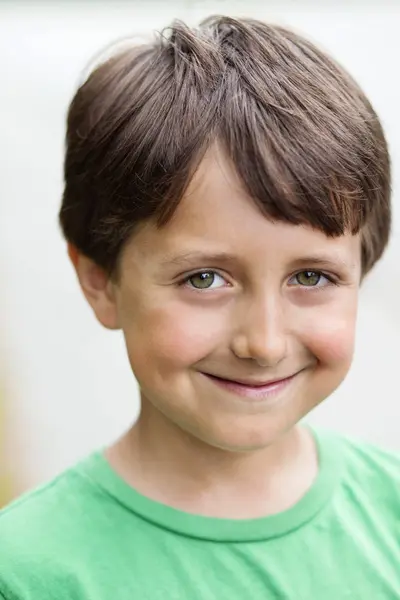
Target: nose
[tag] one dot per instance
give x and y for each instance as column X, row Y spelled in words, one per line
column 260, row 333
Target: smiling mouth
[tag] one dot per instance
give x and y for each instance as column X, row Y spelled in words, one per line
column 249, row 383
column 253, row 390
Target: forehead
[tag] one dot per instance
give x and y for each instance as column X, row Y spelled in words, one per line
column 217, row 214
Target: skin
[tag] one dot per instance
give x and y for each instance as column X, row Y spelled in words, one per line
column 196, row 445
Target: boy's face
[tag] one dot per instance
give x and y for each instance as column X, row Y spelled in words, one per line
column 222, row 292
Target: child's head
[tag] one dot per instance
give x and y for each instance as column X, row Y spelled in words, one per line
column 226, row 189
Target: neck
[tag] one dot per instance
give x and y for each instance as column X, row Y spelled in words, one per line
column 168, row 465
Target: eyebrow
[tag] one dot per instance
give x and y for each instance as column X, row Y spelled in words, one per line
column 321, row 260
column 200, row 257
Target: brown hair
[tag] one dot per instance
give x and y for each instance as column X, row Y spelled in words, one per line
column 305, row 141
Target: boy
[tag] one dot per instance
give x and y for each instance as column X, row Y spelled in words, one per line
column 226, row 190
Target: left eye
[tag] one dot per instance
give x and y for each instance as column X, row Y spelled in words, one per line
column 205, row 280
column 310, row 279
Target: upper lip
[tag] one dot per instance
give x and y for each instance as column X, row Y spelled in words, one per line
column 251, row 382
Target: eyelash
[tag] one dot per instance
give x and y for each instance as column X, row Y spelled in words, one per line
column 186, row 280
column 330, row 279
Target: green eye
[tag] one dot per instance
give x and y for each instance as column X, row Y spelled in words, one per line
column 308, row 278
column 202, row 281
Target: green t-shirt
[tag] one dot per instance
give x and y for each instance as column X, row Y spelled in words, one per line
column 89, row 536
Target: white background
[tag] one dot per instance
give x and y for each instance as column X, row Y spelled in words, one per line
column 69, row 387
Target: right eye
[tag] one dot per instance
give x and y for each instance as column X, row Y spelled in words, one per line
column 205, row 280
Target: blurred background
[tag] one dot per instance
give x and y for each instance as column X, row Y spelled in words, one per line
column 65, row 383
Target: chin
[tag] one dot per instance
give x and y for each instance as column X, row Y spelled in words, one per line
column 246, row 437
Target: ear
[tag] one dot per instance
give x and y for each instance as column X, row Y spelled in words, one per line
column 97, row 287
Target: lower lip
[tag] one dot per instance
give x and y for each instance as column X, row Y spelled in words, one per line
column 251, row 392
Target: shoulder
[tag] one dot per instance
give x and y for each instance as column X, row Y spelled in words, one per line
column 370, row 477
column 41, row 528
column 371, row 462
column 53, row 503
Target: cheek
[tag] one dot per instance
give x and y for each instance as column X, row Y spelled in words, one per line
column 330, row 337
column 169, row 337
